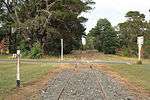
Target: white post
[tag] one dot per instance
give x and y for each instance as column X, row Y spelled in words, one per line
column 140, row 42
column 18, row 69
column 62, row 49
column 139, row 51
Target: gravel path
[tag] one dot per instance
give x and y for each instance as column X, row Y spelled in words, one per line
column 87, row 84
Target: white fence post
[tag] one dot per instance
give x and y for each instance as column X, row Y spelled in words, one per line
column 62, row 49
column 140, row 42
column 139, row 51
column 18, row 69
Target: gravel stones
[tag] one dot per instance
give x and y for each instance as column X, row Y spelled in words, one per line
column 86, row 84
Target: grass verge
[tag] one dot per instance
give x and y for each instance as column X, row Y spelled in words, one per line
column 5, row 56
column 136, row 74
column 29, row 72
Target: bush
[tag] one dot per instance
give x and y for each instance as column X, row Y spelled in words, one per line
column 25, row 53
column 24, row 47
column 124, row 52
column 36, row 51
column 146, row 51
column 129, row 52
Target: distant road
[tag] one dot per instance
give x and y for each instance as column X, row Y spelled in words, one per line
column 65, row 62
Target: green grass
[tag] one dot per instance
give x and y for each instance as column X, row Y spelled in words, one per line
column 137, row 74
column 29, row 72
column 5, row 56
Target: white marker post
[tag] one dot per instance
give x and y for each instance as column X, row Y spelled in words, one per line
column 83, row 43
column 18, row 69
column 140, row 41
column 62, row 49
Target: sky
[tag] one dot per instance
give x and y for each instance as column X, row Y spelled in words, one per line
column 115, row 10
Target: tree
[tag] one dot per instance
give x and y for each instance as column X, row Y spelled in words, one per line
column 105, row 37
column 46, row 22
column 90, row 42
column 134, row 26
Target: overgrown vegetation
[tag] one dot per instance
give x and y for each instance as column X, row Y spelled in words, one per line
column 123, row 38
column 104, row 37
column 134, row 26
column 36, row 51
column 26, row 22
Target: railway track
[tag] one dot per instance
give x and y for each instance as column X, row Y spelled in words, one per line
column 66, row 77
column 86, row 83
column 63, row 88
column 98, row 81
column 99, row 85
column 66, row 82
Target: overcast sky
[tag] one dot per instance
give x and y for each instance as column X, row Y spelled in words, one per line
column 115, row 10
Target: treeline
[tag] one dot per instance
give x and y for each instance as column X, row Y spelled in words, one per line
column 121, row 39
column 36, row 26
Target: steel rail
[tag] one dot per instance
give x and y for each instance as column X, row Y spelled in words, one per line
column 99, row 84
column 65, row 85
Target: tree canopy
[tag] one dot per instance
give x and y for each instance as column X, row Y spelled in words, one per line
column 134, row 26
column 105, row 37
column 44, row 21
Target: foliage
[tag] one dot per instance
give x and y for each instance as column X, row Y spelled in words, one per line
column 105, row 37
column 45, row 22
column 146, row 53
column 36, row 51
column 90, row 42
column 134, row 26
column 1, row 34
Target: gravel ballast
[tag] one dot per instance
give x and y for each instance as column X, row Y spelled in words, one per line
column 87, row 84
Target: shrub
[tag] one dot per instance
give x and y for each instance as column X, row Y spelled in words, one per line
column 124, row 52
column 24, row 47
column 36, row 51
column 146, row 51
